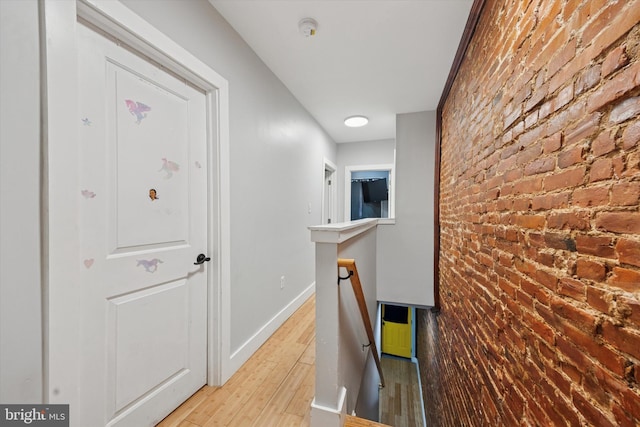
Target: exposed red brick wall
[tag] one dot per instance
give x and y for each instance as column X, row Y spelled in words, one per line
column 540, row 220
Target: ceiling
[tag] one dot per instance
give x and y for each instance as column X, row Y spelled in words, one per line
column 373, row 58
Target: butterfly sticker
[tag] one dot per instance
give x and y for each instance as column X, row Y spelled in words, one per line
column 137, row 109
column 88, row 194
column 86, row 121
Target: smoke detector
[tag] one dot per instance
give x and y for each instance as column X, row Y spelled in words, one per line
column 308, row 27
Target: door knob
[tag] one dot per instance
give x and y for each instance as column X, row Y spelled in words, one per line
column 201, row 259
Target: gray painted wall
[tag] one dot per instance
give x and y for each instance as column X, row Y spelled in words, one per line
column 20, row 283
column 355, row 363
column 405, row 250
column 277, row 170
column 277, row 153
column 358, row 154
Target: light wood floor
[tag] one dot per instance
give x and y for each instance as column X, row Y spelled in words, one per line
column 274, row 388
column 401, row 399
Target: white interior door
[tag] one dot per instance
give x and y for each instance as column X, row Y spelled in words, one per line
column 143, row 222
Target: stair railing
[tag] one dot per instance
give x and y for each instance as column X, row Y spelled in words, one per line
column 350, row 265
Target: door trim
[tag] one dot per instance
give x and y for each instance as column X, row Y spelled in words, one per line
column 328, row 165
column 61, row 238
column 359, row 168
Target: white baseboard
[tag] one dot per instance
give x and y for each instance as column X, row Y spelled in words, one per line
column 246, row 350
column 324, row 416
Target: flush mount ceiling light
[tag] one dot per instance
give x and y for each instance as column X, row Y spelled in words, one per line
column 356, row 121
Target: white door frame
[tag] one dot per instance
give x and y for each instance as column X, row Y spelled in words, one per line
column 328, row 165
column 61, row 237
column 359, row 168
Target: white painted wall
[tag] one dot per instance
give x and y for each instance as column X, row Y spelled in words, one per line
column 368, row 403
column 277, row 151
column 345, row 378
column 353, row 360
column 276, row 168
column 405, row 250
column 20, row 299
column 358, row 154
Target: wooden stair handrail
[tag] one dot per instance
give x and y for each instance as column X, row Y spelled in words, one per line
column 350, row 265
